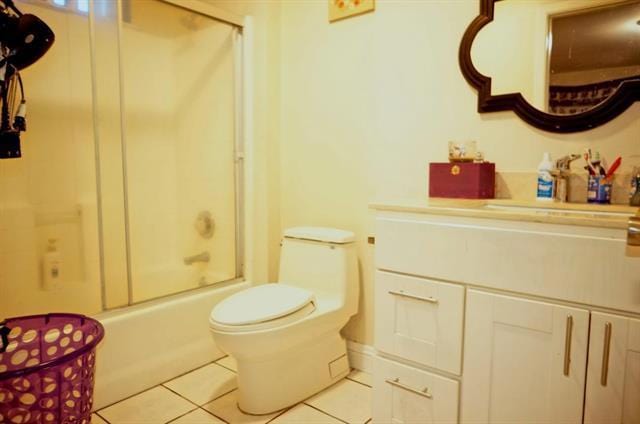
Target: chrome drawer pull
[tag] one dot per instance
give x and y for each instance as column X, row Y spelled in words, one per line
column 424, row 393
column 413, row 296
column 567, row 345
column 633, row 231
column 604, row 375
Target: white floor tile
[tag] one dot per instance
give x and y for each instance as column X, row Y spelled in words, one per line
column 95, row 419
column 226, row 408
column 347, row 400
column 198, row 417
column 157, row 405
column 361, row 377
column 304, row 414
column 228, row 362
column 204, row 384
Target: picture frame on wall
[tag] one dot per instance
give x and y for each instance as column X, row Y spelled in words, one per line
column 341, row 9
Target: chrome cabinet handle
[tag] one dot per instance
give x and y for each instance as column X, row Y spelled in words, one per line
column 633, row 231
column 413, row 296
column 604, row 375
column 567, row 344
column 424, row 392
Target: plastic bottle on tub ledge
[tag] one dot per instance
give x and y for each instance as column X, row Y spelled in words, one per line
column 51, row 264
column 546, row 181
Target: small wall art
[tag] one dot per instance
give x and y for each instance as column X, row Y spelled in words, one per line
column 340, row 9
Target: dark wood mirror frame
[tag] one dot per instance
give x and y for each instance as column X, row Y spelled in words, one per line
column 625, row 96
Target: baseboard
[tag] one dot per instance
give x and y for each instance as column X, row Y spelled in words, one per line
column 361, row 356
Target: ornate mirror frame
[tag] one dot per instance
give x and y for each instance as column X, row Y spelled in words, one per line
column 625, row 95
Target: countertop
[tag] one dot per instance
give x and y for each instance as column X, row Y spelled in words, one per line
column 580, row 214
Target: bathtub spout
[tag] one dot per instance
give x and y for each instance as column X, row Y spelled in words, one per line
column 201, row 257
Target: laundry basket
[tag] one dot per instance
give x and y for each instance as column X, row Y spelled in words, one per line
column 47, row 364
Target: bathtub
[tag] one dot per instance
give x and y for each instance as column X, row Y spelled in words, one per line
column 148, row 344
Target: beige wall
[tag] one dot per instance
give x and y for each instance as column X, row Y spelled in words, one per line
column 517, row 62
column 51, row 192
column 368, row 102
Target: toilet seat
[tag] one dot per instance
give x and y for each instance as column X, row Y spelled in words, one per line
column 262, row 307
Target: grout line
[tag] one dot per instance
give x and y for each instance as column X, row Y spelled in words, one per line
column 223, row 366
column 214, row 415
column 103, row 418
column 359, row 382
column 147, row 389
column 185, row 373
column 179, row 395
column 218, row 397
column 326, row 413
column 180, row 416
column 122, row 400
column 209, row 401
column 226, row 368
column 284, row 411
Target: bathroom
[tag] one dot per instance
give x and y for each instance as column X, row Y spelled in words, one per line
column 289, row 115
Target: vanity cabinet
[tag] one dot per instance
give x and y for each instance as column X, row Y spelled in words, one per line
column 488, row 321
column 524, row 360
column 613, row 376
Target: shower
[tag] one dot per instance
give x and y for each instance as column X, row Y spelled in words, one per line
column 130, row 159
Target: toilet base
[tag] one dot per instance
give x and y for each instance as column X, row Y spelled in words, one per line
column 272, row 384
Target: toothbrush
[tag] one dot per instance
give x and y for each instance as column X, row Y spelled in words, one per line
column 614, row 167
column 589, row 167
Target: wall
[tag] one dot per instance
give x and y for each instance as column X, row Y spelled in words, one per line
column 368, row 102
column 515, row 62
column 51, row 191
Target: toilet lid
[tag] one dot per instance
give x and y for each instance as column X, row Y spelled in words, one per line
column 261, row 303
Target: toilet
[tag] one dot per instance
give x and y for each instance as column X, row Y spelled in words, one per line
column 285, row 336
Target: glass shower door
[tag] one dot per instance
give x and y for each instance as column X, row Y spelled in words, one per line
column 178, row 76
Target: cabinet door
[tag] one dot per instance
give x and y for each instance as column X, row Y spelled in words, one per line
column 407, row 395
column 524, row 361
column 419, row 320
column 613, row 374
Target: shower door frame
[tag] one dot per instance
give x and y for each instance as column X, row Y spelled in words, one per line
column 242, row 132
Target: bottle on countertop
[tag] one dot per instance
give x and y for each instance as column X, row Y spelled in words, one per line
column 545, row 188
column 51, row 263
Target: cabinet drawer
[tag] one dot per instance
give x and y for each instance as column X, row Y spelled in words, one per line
column 419, row 320
column 403, row 394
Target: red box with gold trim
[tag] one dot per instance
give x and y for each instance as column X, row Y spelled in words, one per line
column 463, row 180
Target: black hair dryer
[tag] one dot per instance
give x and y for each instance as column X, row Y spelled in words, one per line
column 24, row 38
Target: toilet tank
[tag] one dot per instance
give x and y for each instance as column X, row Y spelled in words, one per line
column 322, row 260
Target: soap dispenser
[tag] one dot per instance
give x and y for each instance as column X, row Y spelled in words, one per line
column 545, row 187
column 51, row 265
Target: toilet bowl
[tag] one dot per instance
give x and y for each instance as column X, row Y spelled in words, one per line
column 285, row 336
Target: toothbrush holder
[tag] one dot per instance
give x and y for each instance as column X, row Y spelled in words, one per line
column 599, row 189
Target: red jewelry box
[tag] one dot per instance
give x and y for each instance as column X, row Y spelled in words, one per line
column 463, row 180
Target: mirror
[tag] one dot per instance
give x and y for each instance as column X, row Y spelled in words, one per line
column 562, row 65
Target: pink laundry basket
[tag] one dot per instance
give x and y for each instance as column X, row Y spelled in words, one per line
column 47, row 365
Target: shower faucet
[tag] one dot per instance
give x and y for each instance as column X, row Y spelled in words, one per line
column 200, row 257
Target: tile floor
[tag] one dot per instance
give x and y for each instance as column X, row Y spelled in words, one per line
column 207, row 395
